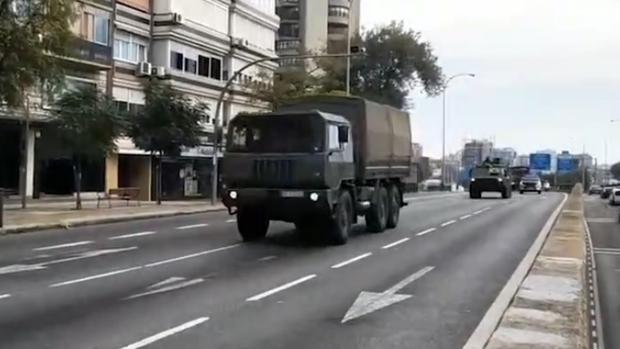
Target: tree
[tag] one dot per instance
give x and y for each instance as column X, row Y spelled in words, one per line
column 615, row 170
column 88, row 123
column 32, row 33
column 168, row 122
column 282, row 86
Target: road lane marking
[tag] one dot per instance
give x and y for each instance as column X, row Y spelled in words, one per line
column 3, row 296
column 231, row 221
column 426, row 231
column 443, row 225
column 94, row 277
column 193, row 226
column 467, row 216
column 53, row 247
column 602, row 220
column 193, row 255
column 171, row 284
column 267, row 258
column 127, row 236
column 280, row 288
column 477, row 212
column 352, row 260
column 609, row 251
column 167, row 333
column 485, row 209
column 395, row 243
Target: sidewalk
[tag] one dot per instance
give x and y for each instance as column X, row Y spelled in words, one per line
column 46, row 214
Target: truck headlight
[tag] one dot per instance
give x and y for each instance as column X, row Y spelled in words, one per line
column 500, row 180
column 473, row 179
column 314, row 197
column 233, row 194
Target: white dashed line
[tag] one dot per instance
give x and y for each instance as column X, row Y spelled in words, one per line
column 395, row 243
column 477, row 212
column 352, row 260
column 280, row 288
column 231, row 221
column 443, row 225
column 127, row 236
column 167, row 333
column 467, row 216
column 72, row 244
column 193, row 255
column 94, row 277
column 267, row 258
column 485, row 209
column 426, row 231
column 3, row 296
column 193, row 226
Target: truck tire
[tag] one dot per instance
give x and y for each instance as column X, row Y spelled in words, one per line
column 376, row 217
column 394, row 205
column 340, row 223
column 475, row 194
column 252, row 224
column 505, row 194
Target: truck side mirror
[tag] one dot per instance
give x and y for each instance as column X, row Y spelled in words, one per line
column 343, row 134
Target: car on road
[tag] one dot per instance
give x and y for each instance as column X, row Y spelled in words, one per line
column 606, row 192
column 614, row 197
column 546, row 186
column 530, row 183
column 595, row 189
column 490, row 177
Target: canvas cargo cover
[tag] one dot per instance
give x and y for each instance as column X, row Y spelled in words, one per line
column 382, row 134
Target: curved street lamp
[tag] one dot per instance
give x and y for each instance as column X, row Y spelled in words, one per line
column 443, row 148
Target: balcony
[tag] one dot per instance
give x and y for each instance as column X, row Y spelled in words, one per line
column 89, row 54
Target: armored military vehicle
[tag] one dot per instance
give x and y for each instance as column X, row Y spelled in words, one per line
column 490, row 177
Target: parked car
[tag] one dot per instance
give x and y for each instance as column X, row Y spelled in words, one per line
column 606, row 192
column 595, row 189
column 614, row 197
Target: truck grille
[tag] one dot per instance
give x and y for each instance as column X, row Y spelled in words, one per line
column 276, row 172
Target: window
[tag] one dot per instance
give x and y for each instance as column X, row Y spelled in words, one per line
column 101, row 30
column 176, row 60
column 289, row 29
column 128, row 49
column 88, row 26
column 95, row 28
column 336, row 30
column 334, row 143
column 338, row 11
column 203, row 66
column 190, row 65
column 216, row 69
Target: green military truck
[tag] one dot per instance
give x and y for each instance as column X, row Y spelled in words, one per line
column 320, row 163
column 490, row 177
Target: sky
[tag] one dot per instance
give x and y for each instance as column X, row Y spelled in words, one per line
column 547, row 72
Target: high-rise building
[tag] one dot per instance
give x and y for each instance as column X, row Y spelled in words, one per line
column 315, row 25
column 522, row 160
column 507, row 155
column 475, row 152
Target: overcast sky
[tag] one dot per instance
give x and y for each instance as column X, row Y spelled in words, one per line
column 548, row 71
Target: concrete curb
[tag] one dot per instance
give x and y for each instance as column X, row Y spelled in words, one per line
column 76, row 222
column 550, row 307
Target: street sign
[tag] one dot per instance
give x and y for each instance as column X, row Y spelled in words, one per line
column 540, row 162
column 566, row 164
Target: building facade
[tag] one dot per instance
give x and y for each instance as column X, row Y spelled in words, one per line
column 507, row 155
column 315, row 26
column 522, row 160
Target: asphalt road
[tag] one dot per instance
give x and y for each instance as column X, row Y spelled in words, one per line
column 188, row 282
column 605, row 231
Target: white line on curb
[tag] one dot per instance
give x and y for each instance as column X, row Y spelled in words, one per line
column 166, row 333
column 280, row 288
column 493, row 316
column 352, row 260
column 127, row 236
column 422, row 233
column 395, row 243
column 72, row 244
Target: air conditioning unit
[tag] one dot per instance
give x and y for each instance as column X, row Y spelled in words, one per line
column 144, row 69
column 159, row 72
column 240, row 42
column 177, row 18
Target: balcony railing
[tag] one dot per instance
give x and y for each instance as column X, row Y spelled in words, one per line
column 87, row 51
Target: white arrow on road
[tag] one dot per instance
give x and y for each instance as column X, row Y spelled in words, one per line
column 170, row 284
column 368, row 302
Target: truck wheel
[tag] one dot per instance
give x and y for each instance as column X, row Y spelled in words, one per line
column 394, row 206
column 504, row 194
column 252, row 224
column 376, row 218
column 342, row 220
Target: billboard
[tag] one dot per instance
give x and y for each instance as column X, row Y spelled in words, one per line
column 567, row 164
column 540, row 162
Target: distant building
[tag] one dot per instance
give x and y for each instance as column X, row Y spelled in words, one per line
column 554, row 158
column 522, row 160
column 507, row 155
column 417, row 151
column 475, row 152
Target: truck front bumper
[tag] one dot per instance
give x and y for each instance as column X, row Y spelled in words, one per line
column 288, row 205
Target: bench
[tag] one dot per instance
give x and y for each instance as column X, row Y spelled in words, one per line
column 126, row 194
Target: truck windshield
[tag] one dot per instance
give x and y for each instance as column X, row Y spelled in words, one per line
column 277, row 134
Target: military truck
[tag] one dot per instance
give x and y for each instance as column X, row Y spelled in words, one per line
column 320, row 163
column 490, row 177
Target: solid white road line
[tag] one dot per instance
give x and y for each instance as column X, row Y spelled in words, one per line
column 443, row 225
column 467, row 216
column 127, row 236
column 395, row 243
column 193, row 255
column 93, row 277
column 352, row 260
column 3, row 296
column 193, row 226
column 72, row 244
column 167, row 333
column 494, row 314
column 426, row 232
column 280, row 288
column 608, row 251
column 231, row 221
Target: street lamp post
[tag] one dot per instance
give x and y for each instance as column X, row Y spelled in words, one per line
column 348, row 82
column 443, row 147
column 220, row 100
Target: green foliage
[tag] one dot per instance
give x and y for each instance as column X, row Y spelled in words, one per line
column 285, row 85
column 31, row 33
column 168, row 122
column 88, row 122
column 615, row 170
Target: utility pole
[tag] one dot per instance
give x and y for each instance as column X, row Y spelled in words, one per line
column 348, row 82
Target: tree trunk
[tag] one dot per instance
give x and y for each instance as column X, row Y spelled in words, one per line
column 77, row 175
column 23, row 168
